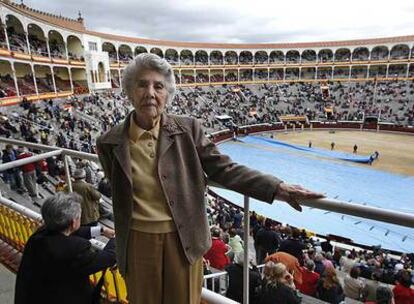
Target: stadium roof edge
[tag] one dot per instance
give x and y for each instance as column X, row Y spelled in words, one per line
column 78, row 26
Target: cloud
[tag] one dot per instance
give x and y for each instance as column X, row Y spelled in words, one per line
column 240, row 21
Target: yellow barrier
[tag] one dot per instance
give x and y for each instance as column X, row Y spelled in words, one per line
column 15, row 230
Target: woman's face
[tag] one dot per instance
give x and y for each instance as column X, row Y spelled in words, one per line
column 150, row 95
column 287, row 278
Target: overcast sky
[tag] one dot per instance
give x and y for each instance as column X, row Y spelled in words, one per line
column 238, row 21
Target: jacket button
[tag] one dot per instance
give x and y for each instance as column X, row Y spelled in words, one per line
column 187, row 248
column 172, row 203
column 164, row 177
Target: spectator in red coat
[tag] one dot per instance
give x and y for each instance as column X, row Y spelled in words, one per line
column 309, row 279
column 217, row 253
column 403, row 293
column 29, row 173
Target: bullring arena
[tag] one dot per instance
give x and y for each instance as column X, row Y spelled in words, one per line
column 277, row 106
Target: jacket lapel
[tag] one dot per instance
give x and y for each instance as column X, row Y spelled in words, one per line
column 119, row 138
column 169, row 128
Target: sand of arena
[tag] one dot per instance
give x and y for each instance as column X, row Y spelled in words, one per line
column 396, row 151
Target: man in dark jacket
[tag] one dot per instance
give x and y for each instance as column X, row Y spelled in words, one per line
column 56, row 262
column 267, row 241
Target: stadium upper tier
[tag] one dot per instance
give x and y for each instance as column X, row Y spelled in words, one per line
column 44, row 55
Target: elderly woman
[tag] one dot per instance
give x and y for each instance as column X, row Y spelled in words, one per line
column 157, row 164
column 278, row 286
column 58, row 258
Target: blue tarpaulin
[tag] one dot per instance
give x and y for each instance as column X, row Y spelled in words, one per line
column 344, row 181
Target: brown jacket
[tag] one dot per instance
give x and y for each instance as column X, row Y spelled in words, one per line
column 90, row 201
column 186, row 157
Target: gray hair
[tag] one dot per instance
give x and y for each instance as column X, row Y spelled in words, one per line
column 143, row 62
column 60, row 210
column 310, row 265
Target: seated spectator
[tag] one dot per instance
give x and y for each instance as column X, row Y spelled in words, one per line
column 371, row 287
column 353, row 285
column 58, row 258
column 278, row 286
column 309, row 279
column 329, row 289
column 235, row 288
column 291, row 263
column 319, row 265
column 347, row 262
column 403, row 293
column 383, row 295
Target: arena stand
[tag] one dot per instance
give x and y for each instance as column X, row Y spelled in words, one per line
column 265, row 87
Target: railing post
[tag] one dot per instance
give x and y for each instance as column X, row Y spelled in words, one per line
column 246, row 251
column 67, row 173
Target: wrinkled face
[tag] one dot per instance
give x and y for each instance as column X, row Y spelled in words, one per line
column 150, row 95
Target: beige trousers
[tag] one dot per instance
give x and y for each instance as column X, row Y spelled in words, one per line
column 158, row 271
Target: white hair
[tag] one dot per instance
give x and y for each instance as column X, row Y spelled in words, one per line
column 144, row 62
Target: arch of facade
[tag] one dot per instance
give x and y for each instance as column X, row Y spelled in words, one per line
column 324, row 73
column 325, row 55
column 400, row 51
column 342, row 54
column 201, row 57
column 230, row 57
column 24, row 76
column 293, row 56
column 37, row 40
column 261, row 57
column 44, row 78
column 62, row 78
column 379, row 71
column 171, row 56
column 111, row 50
column 308, row 56
column 7, row 84
column 308, row 72
column 359, row 71
column 115, row 80
column 292, row 73
column 16, row 34
column 79, row 80
column 139, row 50
column 276, row 56
column 216, row 58
column 125, row 53
column 75, row 48
column 246, row 74
column 261, row 74
column 57, row 44
column 157, row 51
column 411, row 70
column 276, row 74
column 202, row 76
column 341, row 72
column 186, row 57
column 360, row 54
column 187, row 76
column 101, row 72
column 246, row 57
column 380, row 52
column 231, row 75
column 217, row 75
column 397, row 70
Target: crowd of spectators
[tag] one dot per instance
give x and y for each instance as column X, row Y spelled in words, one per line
column 297, row 264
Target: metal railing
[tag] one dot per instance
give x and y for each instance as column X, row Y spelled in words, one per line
column 384, row 215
